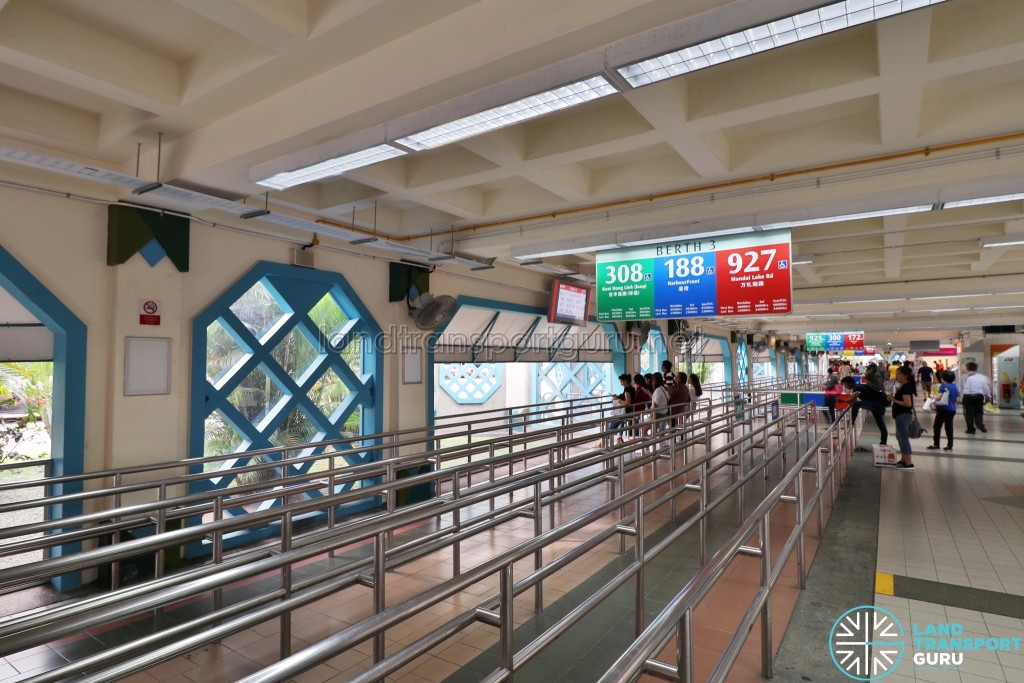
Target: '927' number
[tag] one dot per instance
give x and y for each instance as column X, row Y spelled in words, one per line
column 751, row 261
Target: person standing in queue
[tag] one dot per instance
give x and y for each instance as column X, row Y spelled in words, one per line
column 625, row 402
column 667, row 375
column 695, row 389
column 976, row 393
column 903, row 414
column 944, row 414
column 679, row 399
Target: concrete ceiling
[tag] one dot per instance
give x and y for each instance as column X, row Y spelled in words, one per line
column 920, row 108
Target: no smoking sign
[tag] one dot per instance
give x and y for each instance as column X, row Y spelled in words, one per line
column 149, row 312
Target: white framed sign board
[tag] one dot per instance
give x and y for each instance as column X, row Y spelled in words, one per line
column 412, row 366
column 147, row 366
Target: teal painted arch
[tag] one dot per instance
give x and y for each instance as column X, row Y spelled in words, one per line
column 310, row 383
column 69, row 383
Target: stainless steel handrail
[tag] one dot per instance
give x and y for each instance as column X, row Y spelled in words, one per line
column 677, row 618
column 410, row 607
column 653, row 450
column 18, row 630
column 499, row 416
column 334, row 645
column 31, row 572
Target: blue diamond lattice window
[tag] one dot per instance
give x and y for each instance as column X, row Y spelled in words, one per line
column 287, row 364
column 561, row 381
column 469, row 383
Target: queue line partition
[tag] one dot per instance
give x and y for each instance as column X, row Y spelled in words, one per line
column 716, row 439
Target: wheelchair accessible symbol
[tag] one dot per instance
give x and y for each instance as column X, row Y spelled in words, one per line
column 866, row 643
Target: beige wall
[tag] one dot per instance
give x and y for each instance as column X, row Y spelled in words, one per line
column 63, row 243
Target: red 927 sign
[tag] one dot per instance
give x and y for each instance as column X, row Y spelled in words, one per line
column 754, row 280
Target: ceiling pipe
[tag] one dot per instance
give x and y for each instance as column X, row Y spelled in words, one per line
column 921, row 152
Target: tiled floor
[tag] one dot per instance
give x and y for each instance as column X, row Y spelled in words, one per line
column 582, row 654
column 958, row 521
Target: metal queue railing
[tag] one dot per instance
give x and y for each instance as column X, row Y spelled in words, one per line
column 105, row 491
column 676, row 621
column 498, row 610
column 607, row 464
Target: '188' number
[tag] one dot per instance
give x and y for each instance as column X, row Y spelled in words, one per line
column 624, row 273
column 685, row 267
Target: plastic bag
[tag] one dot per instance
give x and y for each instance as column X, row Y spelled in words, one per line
column 915, row 430
column 929, row 405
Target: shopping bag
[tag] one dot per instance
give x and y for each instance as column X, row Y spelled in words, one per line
column 884, row 455
column 929, row 405
column 942, row 400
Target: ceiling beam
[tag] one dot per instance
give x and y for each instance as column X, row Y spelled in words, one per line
column 60, row 49
column 571, row 187
column 278, row 25
column 893, row 236
column 664, row 109
column 902, row 56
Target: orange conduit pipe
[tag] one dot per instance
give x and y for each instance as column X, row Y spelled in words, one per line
column 922, row 152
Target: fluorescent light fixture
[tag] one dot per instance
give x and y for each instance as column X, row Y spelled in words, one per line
column 443, row 257
column 983, row 200
column 848, row 217
column 565, row 251
column 803, row 262
column 483, row 266
column 332, row 167
column 1004, row 241
column 791, row 29
column 996, row 308
column 148, row 187
column 254, row 214
column 363, row 240
column 948, row 296
column 525, row 109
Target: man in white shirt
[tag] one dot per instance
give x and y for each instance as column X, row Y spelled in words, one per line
column 975, row 393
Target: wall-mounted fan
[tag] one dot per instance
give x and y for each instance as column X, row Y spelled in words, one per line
column 430, row 312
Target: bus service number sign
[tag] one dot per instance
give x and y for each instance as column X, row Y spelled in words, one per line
column 709, row 276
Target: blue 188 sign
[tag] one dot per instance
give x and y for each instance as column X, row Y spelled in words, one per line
column 735, row 275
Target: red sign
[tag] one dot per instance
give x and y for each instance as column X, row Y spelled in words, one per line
column 149, row 312
column 754, row 279
column 854, row 341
